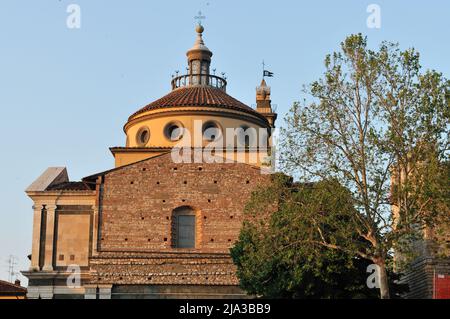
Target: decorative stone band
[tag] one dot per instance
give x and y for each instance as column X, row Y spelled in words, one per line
column 198, row 270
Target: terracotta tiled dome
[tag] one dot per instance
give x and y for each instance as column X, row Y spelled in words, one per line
column 198, row 96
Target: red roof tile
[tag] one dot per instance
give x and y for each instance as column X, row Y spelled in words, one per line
column 198, row 96
column 10, row 288
column 71, row 186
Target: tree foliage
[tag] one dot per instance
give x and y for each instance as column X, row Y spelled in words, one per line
column 276, row 254
column 379, row 126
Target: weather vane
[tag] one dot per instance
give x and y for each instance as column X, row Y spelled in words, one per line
column 200, row 17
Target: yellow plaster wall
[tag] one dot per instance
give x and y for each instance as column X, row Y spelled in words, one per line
column 157, row 120
column 73, row 239
column 125, row 158
column 157, row 124
column 250, row 157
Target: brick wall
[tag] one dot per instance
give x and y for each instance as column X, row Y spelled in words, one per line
column 138, row 202
column 136, row 222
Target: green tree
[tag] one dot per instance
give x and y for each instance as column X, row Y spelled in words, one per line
column 379, row 126
column 276, row 254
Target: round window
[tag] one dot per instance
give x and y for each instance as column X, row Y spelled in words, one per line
column 143, row 136
column 173, row 131
column 211, row 131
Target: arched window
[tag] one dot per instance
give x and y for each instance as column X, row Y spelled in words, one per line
column 183, row 227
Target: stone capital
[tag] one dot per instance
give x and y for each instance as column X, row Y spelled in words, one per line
column 50, row 207
column 37, row 207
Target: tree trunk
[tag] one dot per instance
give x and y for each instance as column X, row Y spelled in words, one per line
column 384, row 281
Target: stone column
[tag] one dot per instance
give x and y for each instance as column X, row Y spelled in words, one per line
column 36, row 242
column 49, row 235
column 104, row 291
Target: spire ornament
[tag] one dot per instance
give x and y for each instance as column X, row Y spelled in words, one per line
column 199, row 62
column 199, row 19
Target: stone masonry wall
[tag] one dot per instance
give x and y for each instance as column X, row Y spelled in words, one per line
column 138, row 201
column 136, row 222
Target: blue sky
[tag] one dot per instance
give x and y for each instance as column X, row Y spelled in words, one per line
column 65, row 94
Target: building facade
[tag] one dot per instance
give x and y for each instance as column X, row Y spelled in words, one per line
column 161, row 222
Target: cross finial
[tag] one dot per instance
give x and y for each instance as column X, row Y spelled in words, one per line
column 200, row 17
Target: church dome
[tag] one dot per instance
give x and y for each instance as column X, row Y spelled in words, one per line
column 197, row 96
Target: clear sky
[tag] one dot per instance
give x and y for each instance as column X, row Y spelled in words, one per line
column 65, row 94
